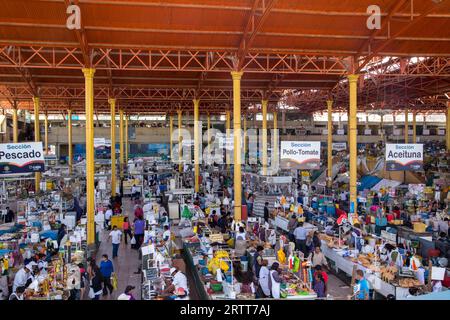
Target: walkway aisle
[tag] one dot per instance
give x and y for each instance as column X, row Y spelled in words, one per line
column 126, row 263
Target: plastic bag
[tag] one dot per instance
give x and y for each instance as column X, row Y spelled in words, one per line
column 91, row 294
column 114, row 281
column 133, row 240
column 281, row 256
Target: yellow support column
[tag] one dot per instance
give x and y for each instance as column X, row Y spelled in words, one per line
column 447, row 133
column 414, row 127
column 112, row 105
column 406, row 127
column 15, row 125
column 245, row 139
column 170, row 135
column 121, row 156
column 275, row 141
column 197, row 143
column 69, row 139
column 264, row 136
column 90, row 165
column 353, row 132
column 37, row 138
column 180, row 142
column 330, row 143
column 228, row 128
column 237, row 144
column 127, row 149
column 46, row 133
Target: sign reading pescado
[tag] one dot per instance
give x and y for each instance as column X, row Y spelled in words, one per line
column 404, row 157
column 300, row 154
column 21, row 157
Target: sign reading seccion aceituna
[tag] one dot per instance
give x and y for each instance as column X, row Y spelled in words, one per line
column 404, row 157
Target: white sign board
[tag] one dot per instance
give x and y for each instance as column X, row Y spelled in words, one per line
column 401, row 157
column 441, row 132
column 367, row 132
column 21, row 157
column 425, row 132
column 300, row 154
column 339, row 146
column 340, row 132
column 279, row 180
column 397, row 132
column 325, row 131
column 101, row 142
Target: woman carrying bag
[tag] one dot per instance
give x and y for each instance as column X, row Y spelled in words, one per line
column 96, row 288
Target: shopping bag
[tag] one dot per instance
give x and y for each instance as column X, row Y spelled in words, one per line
column 91, row 293
column 114, row 281
column 133, row 240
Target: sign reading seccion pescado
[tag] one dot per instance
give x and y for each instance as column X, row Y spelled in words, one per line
column 21, row 157
column 404, row 157
column 300, row 155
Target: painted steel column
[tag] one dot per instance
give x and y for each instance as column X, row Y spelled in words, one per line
column 448, row 126
column 180, row 142
column 127, row 149
column 121, row 156
column 275, row 141
column 406, row 127
column 37, row 138
column 244, row 142
column 46, row 133
column 414, row 127
column 330, row 143
column 112, row 105
column 196, row 144
column 264, row 104
column 69, row 139
column 15, row 125
column 227, row 128
column 237, row 75
column 170, row 135
column 353, row 132
column 90, row 165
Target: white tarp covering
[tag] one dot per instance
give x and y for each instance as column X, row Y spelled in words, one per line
column 386, row 183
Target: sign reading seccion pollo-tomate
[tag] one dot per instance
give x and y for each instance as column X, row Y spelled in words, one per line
column 404, row 157
column 300, row 155
column 21, row 157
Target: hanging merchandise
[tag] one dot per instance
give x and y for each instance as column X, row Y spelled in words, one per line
column 291, row 262
column 281, row 256
column 296, row 264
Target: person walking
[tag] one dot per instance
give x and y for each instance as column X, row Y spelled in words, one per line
column 300, row 234
column 139, row 231
column 126, row 230
column 319, row 286
column 116, row 237
column 107, row 270
column 96, row 283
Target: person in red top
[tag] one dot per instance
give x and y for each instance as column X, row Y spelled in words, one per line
column 396, row 211
column 318, row 269
column 138, row 212
column 126, row 230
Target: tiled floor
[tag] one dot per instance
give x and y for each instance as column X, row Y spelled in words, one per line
column 125, row 264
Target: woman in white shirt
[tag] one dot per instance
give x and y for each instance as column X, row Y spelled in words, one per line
column 263, row 280
column 241, row 234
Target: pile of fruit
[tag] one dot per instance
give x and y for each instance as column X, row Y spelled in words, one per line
column 409, row 282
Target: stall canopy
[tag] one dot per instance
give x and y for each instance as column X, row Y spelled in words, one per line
column 385, row 183
column 368, row 182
